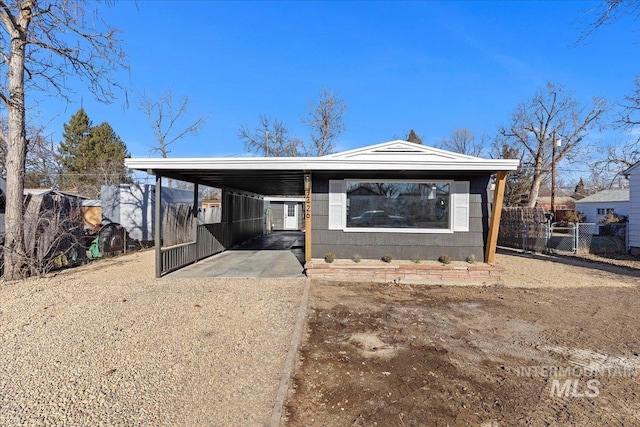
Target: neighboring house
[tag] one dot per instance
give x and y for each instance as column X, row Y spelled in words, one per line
column 562, row 203
column 284, row 213
column 596, row 207
column 633, row 241
column 437, row 202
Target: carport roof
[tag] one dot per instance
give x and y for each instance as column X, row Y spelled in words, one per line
column 284, row 175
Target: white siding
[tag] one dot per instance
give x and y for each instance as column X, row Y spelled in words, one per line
column 590, row 209
column 634, row 208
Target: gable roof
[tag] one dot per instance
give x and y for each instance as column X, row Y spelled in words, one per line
column 284, row 174
column 400, row 149
column 617, row 195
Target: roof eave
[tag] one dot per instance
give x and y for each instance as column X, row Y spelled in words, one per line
column 318, row 164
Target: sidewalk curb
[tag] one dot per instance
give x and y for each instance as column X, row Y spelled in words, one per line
column 278, row 407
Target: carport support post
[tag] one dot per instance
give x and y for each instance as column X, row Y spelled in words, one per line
column 496, row 212
column 307, row 216
column 195, row 218
column 158, row 224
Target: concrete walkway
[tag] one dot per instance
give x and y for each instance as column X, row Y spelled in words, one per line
column 279, row 254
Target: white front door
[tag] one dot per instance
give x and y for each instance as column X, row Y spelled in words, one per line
column 290, row 216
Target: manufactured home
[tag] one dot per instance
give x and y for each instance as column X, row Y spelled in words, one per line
column 407, row 199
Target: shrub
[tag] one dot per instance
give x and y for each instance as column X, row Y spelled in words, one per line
column 387, row 258
column 329, row 257
column 612, row 218
column 356, row 258
column 415, row 260
column 445, row 259
column 574, row 216
column 471, row 259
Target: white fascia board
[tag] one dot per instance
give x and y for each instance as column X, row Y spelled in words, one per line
column 320, row 164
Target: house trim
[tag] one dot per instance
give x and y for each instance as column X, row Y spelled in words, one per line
column 342, row 198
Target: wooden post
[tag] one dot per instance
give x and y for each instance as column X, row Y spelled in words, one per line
column 158, row 224
column 496, row 212
column 307, row 216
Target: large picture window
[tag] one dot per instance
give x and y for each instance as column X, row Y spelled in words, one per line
column 397, row 204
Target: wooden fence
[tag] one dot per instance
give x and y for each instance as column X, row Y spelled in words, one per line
column 185, row 243
column 523, row 228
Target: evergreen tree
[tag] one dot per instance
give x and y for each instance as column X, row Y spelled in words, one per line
column 108, row 152
column 91, row 156
column 70, row 157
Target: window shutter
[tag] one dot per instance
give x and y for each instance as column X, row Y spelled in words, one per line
column 461, row 206
column 337, row 203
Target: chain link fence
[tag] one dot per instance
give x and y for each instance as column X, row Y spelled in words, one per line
column 529, row 230
column 562, row 237
column 585, row 234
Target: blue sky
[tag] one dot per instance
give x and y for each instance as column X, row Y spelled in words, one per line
column 428, row 66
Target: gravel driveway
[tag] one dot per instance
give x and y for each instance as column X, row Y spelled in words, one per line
column 108, row 344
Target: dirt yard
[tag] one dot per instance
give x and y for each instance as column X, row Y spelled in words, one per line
column 556, row 344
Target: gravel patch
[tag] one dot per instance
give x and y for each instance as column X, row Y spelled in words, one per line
column 108, row 344
column 537, row 270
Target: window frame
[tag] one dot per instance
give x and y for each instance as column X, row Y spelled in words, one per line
column 448, row 230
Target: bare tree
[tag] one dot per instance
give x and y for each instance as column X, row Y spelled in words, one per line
column 463, row 141
column 608, row 11
column 616, row 159
column 42, row 43
column 41, row 167
column 164, row 118
column 519, row 181
column 630, row 115
column 53, row 228
column 106, row 172
column 551, row 115
column 270, row 138
column 618, row 156
column 325, row 120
